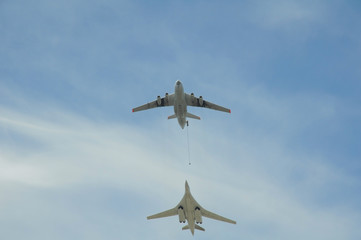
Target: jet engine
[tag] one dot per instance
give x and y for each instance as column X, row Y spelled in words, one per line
column 193, row 99
column 201, row 100
column 182, row 218
column 198, row 215
column 166, row 98
column 159, row 100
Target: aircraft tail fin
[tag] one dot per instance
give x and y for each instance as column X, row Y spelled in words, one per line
column 172, row 116
column 195, row 226
column 190, row 115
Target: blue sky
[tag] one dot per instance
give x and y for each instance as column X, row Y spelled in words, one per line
column 77, row 164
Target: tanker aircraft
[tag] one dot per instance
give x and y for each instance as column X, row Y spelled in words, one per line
column 189, row 210
column 180, row 101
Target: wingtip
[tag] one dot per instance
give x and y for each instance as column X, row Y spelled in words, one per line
column 133, row 110
column 229, row 110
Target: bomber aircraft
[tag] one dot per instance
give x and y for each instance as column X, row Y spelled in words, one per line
column 180, row 101
column 189, row 210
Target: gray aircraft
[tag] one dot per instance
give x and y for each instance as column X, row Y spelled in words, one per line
column 180, row 101
column 188, row 209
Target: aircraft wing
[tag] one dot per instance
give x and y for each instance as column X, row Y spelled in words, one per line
column 191, row 100
column 168, row 100
column 214, row 216
column 168, row 213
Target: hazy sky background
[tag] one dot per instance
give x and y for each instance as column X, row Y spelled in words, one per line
column 76, row 163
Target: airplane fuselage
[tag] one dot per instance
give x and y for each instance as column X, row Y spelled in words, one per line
column 190, row 215
column 180, row 105
column 189, row 209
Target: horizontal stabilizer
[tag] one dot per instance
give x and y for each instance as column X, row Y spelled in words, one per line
column 195, row 226
column 190, row 115
column 199, row 228
column 185, row 227
column 172, row 116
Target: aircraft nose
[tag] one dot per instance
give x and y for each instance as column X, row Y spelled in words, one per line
column 178, row 82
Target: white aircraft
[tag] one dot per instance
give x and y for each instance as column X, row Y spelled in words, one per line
column 180, row 101
column 188, row 209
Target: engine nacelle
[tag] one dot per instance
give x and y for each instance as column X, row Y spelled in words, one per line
column 166, row 99
column 182, row 218
column 198, row 215
column 201, row 100
column 159, row 100
column 193, row 99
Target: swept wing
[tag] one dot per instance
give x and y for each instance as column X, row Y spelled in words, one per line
column 208, row 214
column 168, row 100
column 193, row 101
column 168, row 213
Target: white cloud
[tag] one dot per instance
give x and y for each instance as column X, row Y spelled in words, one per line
column 241, row 166
column 232, row 179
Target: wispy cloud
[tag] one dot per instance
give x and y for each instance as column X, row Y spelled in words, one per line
column 76, row 152
column 76, row 163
